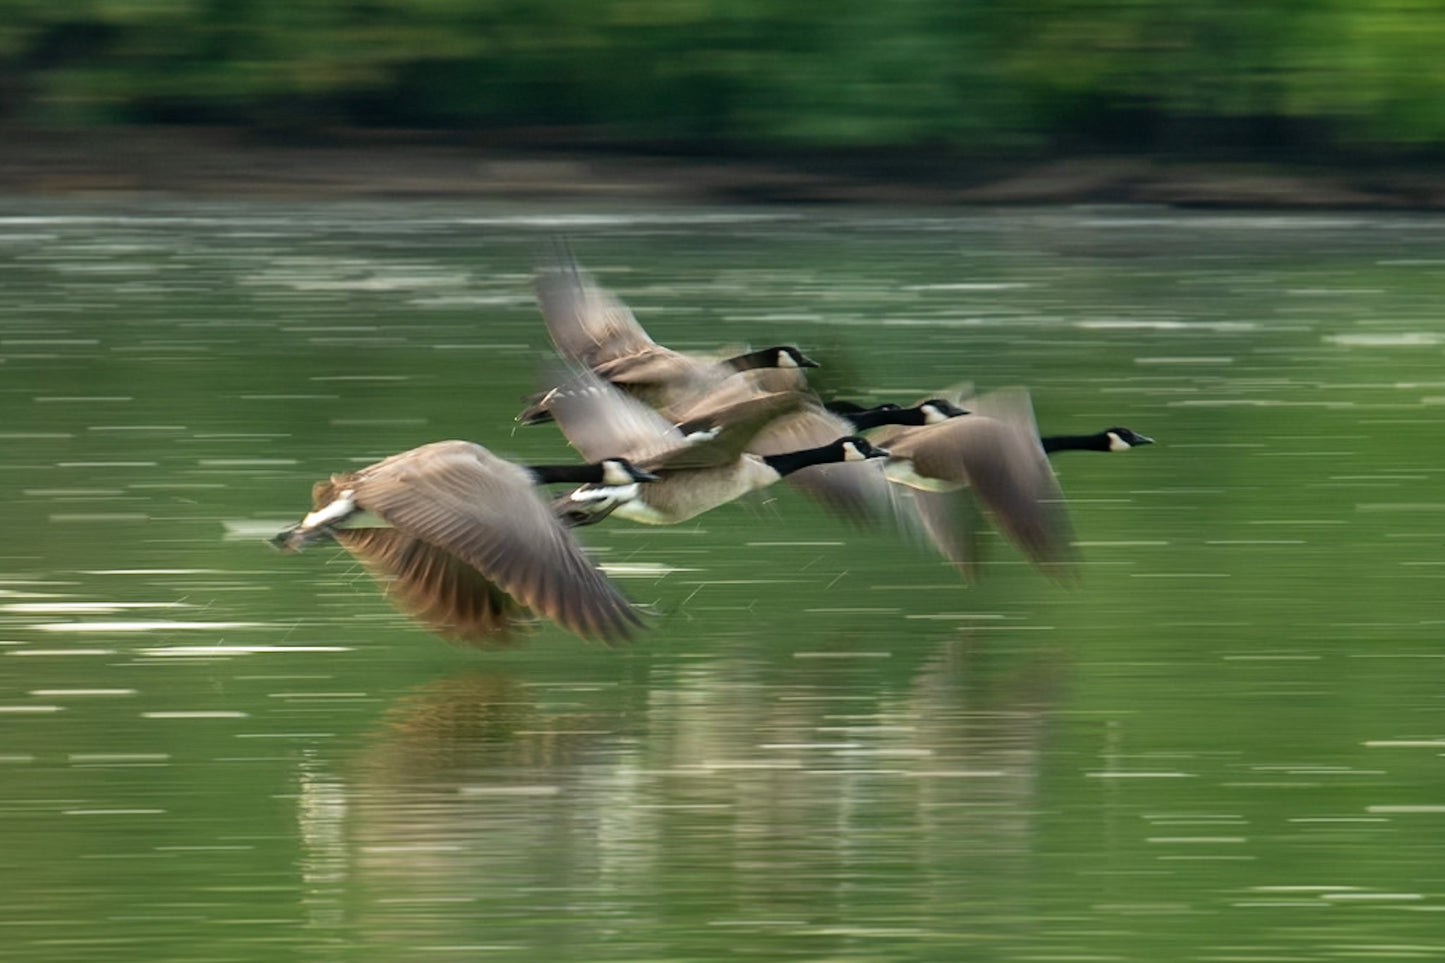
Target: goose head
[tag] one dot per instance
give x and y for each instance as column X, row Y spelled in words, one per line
column 935, row 410
column 856, row 448
column 1122, row 439
column 620, row 471
column 780, row 356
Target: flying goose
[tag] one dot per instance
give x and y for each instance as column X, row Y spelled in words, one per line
column 995, row 454
column 590, row 326
column 854, row 491
column 462, row 541
column 696, row 471
column 934, row 410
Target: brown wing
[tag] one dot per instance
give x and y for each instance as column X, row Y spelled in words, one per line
column 586, row 321
column 949, row 520
column 735, row 426
column 602, row 422
column 854, row 490
column 463, row 501
column 1007, row 470
column 435, row 587
column 649, row 369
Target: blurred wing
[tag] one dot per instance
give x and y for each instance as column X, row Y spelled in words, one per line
column 586, row 321
column 950, row 521
column 448, row 596
column 855, row 490
column 1005, row 466
column 463, row 501
column 734, row 427
column 1011, row 406
column 963, row 394
column 602, row 422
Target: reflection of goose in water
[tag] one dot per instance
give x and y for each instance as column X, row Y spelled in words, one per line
column 475, row 797
column 476, row 725
column 479, row 794
column 462, row 541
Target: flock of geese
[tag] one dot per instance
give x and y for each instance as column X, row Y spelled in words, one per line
column 467, row 542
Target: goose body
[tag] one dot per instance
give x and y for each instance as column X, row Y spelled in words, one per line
column 697, row 470
column 462, row 541
column 856, row 492
column 591, row 326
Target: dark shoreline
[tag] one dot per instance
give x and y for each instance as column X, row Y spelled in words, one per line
column 209, row 162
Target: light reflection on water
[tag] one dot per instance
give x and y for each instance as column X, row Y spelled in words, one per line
column 1226, row 745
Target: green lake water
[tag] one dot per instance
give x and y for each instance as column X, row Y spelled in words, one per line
column 1227, row 744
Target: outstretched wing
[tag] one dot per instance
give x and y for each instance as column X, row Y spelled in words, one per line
column 484, row 512
column 855, row 490
column 999, row 457
column 586, row 321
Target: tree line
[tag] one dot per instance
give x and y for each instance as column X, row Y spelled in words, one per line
column 1282, row 77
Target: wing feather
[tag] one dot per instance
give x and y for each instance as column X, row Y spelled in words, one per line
column 472, row 509
column 999, row 457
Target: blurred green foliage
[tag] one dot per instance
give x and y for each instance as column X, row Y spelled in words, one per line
column 1187, row 75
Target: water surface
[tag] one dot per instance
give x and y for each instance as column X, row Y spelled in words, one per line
column 1227, row 744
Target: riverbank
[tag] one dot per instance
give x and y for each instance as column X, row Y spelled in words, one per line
column 201, row 162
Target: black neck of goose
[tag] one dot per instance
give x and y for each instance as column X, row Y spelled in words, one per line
column 764, row 358
column 790, row 461
column 870, row 418
column 566, row 474
column 1096, row 442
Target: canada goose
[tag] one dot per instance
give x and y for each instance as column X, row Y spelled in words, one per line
column 995, row 453
column 461, row 540
column 929, row 412
column 850, row 490
column 696, row 472
column 937, row 409
column 590, row 326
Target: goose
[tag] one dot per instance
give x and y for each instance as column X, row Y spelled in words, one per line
column 852, row 491
column 462, row 541
column 928, row 412
column 934, row 410
column 996, row 454
column 696, row 472
column 591, row 326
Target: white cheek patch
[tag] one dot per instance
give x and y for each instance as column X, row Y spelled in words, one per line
column 1118, row 444
column 602, row 494
column 614, row 474
column 343, row 505
column 786, row 360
